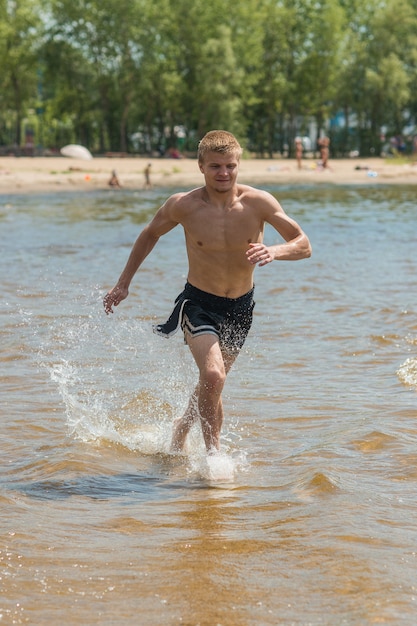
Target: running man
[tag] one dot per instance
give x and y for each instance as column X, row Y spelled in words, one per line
column 223, row 222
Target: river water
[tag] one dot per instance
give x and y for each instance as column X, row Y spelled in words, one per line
column 309, row 516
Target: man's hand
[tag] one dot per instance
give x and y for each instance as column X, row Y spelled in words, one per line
column 114, row 298
column 259, row 254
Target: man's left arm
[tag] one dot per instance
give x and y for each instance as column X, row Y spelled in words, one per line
column 297, row 244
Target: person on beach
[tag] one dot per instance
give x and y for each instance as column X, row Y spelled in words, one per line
column 299, row 148
column 114, row 181
column 223, row 222
column 324, row 147
column 147, row 174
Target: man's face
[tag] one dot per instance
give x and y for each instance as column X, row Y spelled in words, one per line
column 220, row 170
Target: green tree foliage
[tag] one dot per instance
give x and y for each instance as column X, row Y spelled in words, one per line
column 94, row 53
column 20, row 40
column 119, row 75
column 299, row 65
column 216, row 99
column 392, row 64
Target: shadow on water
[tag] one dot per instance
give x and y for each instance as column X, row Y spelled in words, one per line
column 162, row 472
column 137, row 487
column 163, row 478
column 94, row 487
column 128, row 487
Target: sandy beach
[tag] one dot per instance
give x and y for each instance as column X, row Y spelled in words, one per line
column 51, row 174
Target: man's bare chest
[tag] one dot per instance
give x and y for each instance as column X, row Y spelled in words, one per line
column 223, row 229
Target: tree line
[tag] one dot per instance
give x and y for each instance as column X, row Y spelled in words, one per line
column 148, row 75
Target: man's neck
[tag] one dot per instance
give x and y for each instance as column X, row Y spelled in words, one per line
column 220, row 198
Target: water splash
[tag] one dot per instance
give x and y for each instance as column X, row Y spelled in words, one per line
column 407, row 372
column 120, row 386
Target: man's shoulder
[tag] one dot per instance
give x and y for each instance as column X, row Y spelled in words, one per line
column 246, row 189
column 252, row 193
column 180, row 204
column 185, row 197
column 258, row 200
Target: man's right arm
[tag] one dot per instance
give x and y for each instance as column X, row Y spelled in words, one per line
column 144, row 244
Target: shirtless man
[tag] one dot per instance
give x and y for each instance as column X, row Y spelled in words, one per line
column 147, row 174
column 223, row 222
column 324, row 143
column 299, row 151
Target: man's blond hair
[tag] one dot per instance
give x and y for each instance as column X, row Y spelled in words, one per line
column 219, row 141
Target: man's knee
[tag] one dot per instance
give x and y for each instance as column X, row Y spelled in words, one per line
column 214, row 377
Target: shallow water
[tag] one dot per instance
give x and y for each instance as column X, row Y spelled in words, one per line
column 308, row 516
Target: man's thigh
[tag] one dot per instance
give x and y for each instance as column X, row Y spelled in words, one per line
column 206, row 351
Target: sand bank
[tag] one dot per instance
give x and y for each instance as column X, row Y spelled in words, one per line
column 52, row 174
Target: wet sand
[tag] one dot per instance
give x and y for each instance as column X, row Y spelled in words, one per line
column 50, row 174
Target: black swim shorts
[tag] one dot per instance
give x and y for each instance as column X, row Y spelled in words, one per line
column 201, row 313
